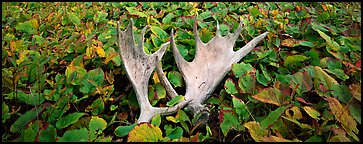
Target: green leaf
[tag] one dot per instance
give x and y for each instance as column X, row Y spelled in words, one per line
column 96, row 107
column 242, row 69
column 272, row 117
column 74, row 18
column 145, row 132
column 314, row 138
column 341, row 92
column 78, row 135
column 97, row 123
column 113, row 107
column 356, row 111
column 339, row 73
column 156, row 120
column 28, row 26
column 307, row 43
column 48, row 135
column 175, row 78
column 161, row 92
column 205, row 15
column 270, row 95
column 20, row 123
column 330, row 43
column 167, row 18
column 241, row 108
column 93, row 79
column 68, row 120
column 31, row 99
column 312, row 112
column 255, row 12
column 230, row 121
column 175, row 100
column 159, row 32
column 75, row 74
column 293, row 60
column 323, row 82
column 122, row 131
column 230, row 87
column 304, row 82
column 176, row 133
column 5, row 112
column 261, row 78
column 303, row 126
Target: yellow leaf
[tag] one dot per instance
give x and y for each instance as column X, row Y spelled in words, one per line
column 172, row 119
column 296, row 113
column 89, row 52
column 110, row 57
column 312, row 112
column 145, row 132
column 278, row 139
column 344, row 117
column 22, row 57
column 155, row 77
column 290, row 42
column 270, row 95
column 322, row 81
column 100, row 51
column 355, row 89
column 16, row 45
column 256, row 131
column 339, row 138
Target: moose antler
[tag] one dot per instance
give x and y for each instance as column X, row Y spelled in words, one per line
column 139, row 66
column 213, row 60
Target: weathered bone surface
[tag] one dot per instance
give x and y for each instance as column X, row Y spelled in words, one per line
column 212, row 62
column 139, row 66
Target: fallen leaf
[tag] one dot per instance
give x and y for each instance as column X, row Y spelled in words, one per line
column 271, row 96
column 312, row 112
column 256, row 131
column 343, row 116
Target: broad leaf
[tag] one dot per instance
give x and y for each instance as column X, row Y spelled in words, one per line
column 303, row 126
column 271, row 96
column 241, row 69
column 355, row 89
column 256, row 131
column 312, row 112
column 175, row 100
column 241, row 108
column 145, row 132
column 97, row 123
column 323, row 82
column 122, row 131
column 343, row 116
column 230, row 86
column 175, row 78
column 20, row 123
column 68, row 120
column 230, row 121
column 79, row 135
column 294, row 60
column 272, row 117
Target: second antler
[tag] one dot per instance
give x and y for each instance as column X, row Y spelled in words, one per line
column 213, row 60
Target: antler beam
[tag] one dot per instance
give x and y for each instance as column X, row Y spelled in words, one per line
column 139, row 66
column 213, row 60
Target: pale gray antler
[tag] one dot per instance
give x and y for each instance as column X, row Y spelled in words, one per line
column 139, row 66
column 213, row 60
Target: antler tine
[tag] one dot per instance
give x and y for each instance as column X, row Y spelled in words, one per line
column 218, row 33
column 237, row 32
column 180, row 61
column 139, row 66
column 247, row 48
column 164, row 81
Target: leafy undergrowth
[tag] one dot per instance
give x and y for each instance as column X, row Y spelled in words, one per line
column 62, row 78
